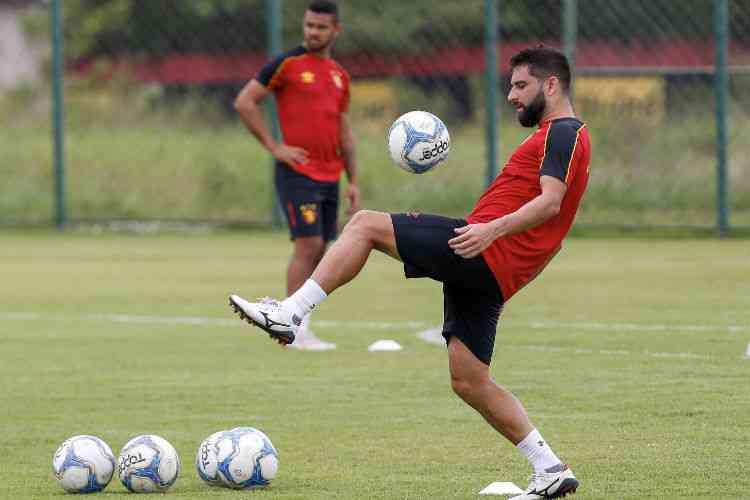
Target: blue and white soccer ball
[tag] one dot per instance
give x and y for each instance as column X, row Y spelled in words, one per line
column 418, row 141
column 83, row 464
column 207, row 461
column 242, row 457
column 148, row 464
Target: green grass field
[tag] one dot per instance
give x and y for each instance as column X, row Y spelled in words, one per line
column 627, row 353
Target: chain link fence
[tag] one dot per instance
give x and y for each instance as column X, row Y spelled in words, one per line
column 151, row 134
column 739, row 119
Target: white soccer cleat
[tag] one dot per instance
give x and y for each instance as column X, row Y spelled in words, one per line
column 555, row 482
column 306, row 340
column 269, row 315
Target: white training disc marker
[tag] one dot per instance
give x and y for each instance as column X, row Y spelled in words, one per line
column 384, row 345
column 501, row 488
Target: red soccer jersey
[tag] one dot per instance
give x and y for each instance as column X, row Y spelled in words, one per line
column 560, row 148
column 311, row 93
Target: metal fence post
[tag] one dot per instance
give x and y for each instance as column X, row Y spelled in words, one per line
column 491, row 77
column 570, row 36
column 721, row 31
column 58, row 112
column 273, row 10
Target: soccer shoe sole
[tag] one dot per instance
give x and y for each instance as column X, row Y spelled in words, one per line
column 568, row 486
column 284, row 338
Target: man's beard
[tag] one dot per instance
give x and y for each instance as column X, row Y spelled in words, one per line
column 531, row 115
column 320, row 46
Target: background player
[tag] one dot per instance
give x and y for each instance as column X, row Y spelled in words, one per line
column 312, row 97
column 514, row 230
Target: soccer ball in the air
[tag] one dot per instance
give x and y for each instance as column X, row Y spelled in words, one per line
column 418, row 141
column 148, row 464
column 244, row 457
column 83, row 464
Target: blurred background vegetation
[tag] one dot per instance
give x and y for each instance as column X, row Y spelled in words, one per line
column 151, row 134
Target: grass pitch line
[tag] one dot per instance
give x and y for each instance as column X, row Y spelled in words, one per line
column 426, row 335
column 608, row 352
column 434, row 336
column 431, row 335
column 202, row 321
column 635, row 327
column 20, row 316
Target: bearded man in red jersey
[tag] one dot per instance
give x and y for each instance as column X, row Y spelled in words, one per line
column 514, row 230
column 312, row 97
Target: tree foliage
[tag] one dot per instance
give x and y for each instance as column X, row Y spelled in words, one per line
column 158, row 27
column 96, row 27
column 148, row 27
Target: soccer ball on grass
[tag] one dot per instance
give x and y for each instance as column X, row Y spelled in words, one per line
column 148, row 464
column 239, row 458
column 206, row 460
column 83, row 464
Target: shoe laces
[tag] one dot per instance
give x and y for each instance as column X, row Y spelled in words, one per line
column 538, row 478
column 269, row 301
column 533, row 479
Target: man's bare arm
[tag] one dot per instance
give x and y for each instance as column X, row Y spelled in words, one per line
column 247, row 105
column 473, row 239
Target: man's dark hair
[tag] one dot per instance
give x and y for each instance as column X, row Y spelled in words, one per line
column 325, row 7
column 544, row 62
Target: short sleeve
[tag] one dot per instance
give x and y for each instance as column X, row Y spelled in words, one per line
column 271, row 74
column 559, row 148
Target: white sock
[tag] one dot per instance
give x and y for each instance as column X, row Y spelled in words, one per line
column 305, row 299
column 537, row 452
column 304, row 329
column 305, row 325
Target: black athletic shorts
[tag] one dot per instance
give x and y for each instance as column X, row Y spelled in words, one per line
column 311, row 207
column 472, row 298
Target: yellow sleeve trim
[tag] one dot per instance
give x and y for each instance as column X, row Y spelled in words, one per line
column 544, row 154
column 274, row 81
column 573, row 153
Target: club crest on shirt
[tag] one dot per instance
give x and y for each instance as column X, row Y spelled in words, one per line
column 337, row 80
column 309, row 213
column 307, row 77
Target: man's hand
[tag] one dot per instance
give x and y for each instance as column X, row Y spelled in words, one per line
column 291, row 155
column 354, row 197
column 473, row 239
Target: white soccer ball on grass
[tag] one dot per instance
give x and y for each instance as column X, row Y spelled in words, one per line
column 207, row 460
column 83, row 464
column 243, row 457
column 148, row 464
